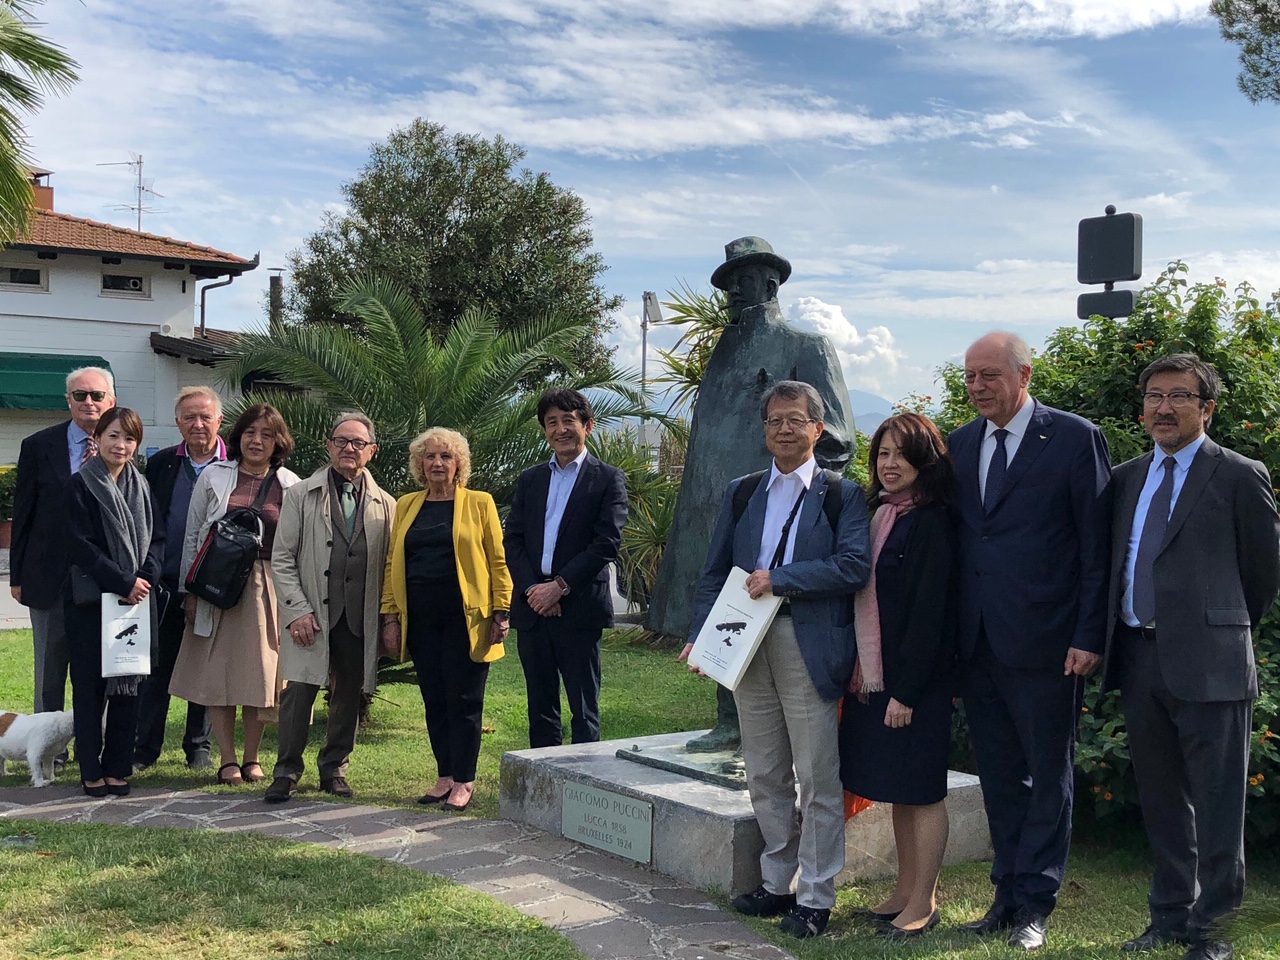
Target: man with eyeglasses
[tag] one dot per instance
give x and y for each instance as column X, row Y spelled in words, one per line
column 39, row 564
column 1195, row 560
column 172, row 474
column 799, row 548
column 1031, row 497
column 328, row 560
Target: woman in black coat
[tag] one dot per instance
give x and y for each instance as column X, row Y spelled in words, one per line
column 895, row 730
column 110, row 521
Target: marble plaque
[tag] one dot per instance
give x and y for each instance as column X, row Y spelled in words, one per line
column 607, row 820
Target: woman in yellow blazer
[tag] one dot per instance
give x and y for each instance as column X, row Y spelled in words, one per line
column 445, row 599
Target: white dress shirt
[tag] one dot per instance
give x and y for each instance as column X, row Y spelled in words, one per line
column 784, row 489
column 1017, row 428
column 562, row 481
column 1182, row 463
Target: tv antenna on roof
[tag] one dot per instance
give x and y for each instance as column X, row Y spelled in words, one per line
column 142, row 188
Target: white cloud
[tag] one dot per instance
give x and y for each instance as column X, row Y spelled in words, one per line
column 869, row 360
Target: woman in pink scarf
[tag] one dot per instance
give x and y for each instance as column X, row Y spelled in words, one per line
column 896, row 725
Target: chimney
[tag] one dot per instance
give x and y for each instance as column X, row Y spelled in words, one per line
column 40, row 186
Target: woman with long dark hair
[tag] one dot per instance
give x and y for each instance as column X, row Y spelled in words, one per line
column 111, row 524
column 228, row 658
column 895, row 729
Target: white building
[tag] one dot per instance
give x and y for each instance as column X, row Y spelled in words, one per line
column 75, row 292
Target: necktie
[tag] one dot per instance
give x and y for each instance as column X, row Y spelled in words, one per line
column 347, row 497
column 1153, row 530
column 90, row 451
column 996, row 470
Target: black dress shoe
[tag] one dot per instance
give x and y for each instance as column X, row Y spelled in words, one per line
column 281, row 790
column 871, row 916
column 998, row 918
column 97, row 792
column 118, row 789
column 890, row 932
column 761, row 903
column 1152, row 938
column 1210, row 950
column 1029, row 930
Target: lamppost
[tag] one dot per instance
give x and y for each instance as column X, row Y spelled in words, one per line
column 652, row 314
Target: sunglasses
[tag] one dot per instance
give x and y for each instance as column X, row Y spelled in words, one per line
column 80, row 396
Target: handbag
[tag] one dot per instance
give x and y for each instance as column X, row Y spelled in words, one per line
column 225, row 559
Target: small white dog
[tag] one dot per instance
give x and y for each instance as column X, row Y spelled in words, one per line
column 36, row 738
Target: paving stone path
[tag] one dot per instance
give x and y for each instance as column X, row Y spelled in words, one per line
column 608, row 907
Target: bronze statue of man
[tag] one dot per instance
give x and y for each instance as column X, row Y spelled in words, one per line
column 757, row 349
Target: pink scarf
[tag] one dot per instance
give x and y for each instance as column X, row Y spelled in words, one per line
column 868, row 673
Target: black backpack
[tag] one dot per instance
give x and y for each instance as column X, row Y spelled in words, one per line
column 225, row 559
column 830, row 505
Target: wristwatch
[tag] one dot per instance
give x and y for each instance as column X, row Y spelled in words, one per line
column 564, row 587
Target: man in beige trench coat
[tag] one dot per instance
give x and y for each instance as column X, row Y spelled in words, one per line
column 329, row 555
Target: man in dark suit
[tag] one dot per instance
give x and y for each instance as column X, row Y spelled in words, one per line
column 38, row 563
column 787, row 699
column 1195, row 564
column 1031, row 487
column 562, row 533
column 172, row 474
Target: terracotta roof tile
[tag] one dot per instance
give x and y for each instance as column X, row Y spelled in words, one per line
column 60, row 231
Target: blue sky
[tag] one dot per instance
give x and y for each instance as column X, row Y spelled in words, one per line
column 923, row 164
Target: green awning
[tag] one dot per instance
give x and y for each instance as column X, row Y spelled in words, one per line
column 38, row 381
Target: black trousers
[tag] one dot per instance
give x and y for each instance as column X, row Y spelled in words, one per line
column 103, row 749
column 1023, row 727
column 154, row 696
column 548, row 653
column 452, row 684
column 1191, row 761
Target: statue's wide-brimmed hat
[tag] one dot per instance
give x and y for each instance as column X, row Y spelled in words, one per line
column 747, row 250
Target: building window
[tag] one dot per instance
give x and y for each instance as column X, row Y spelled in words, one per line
column 125, row 285
column 24, row 278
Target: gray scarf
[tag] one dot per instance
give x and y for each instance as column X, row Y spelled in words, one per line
column 125, row 504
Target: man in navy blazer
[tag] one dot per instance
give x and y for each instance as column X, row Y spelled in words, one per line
column 563, row 531
column 787, row 699
column 1032, row 486
column 38, row 562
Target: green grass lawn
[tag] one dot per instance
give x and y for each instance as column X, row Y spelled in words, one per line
column 644, row 691
column 101, row 891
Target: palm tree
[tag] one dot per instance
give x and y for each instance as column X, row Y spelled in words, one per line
column 704, row 317
column 30, row 66
column 393, row 369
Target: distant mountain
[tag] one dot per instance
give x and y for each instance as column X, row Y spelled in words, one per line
column 863, row 402
column 869, row 410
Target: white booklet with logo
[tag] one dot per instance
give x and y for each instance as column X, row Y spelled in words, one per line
column 733, row 631
column 126, row 637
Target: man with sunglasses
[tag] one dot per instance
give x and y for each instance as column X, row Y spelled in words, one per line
column 172, row 474
column 39, row 563
column 1195, row 563
column 328, row 560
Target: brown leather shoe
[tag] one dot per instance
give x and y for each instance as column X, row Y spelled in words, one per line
column 338, row 786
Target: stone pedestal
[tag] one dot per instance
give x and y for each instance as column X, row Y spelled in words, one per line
column 706, row 834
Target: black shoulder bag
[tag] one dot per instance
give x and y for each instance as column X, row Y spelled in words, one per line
column 225, row 559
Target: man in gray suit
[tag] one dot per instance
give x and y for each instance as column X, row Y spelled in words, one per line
column 817, row 558
column 1195, row 565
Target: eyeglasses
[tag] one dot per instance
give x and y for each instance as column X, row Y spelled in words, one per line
column 80, row 396
column 795, row 423
column 343, row 442
column 1178, row 398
